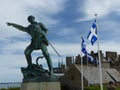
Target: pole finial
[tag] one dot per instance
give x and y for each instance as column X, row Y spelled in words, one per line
column 95, row 14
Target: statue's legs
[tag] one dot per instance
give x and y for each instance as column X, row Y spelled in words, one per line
column 47, row 56
column 27, row 53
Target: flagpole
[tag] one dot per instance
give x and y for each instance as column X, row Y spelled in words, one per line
column 82, row 86
column 88, row 70
column 101, row 84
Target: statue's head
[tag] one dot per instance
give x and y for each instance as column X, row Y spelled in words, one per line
column 31, row 19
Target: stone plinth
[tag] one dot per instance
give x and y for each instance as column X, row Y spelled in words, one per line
column 41, row 86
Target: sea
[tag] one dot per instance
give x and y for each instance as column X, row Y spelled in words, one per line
column 10, row 84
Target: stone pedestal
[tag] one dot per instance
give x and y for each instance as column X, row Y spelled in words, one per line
column 41, row 86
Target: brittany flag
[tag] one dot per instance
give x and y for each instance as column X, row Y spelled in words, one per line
column 84, row 52
column 92, row 36
column 83, row 47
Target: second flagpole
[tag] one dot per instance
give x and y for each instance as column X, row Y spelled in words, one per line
column 82, row 85
column 101, row 83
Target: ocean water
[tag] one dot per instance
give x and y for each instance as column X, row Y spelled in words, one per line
column 8, row 85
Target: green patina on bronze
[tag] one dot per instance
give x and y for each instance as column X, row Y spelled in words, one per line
column 38, row 33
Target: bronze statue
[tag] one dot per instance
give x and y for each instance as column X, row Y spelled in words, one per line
column 38, row 33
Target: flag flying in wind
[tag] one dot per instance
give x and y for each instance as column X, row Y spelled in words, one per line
column 91, row 59
column 84, row 52
column 83, row 47
column 92, row 36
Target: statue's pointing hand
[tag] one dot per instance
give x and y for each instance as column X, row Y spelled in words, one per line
column 9, row 24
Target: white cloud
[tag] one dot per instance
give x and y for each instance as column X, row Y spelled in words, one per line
column 15, row 46
column 66, row 31
column 72, row 49
column 17, row 12
column 66, row 49
column 112, row 25
column 46, row 7
column 43, row 9
column 107, row 46
column 111, row 46
column 101, row 7
column 10, row 75
column 12, row 11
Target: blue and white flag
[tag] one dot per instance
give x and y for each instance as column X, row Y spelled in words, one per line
column 92, row 36
column 91, row 59
column 84, row 52
column 83, row 47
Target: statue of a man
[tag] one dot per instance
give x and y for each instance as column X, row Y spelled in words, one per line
column 38, row 33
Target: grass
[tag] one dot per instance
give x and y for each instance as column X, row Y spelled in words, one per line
column 86, row 88
column 98, row 88
column 11, row 88
column 94, row 88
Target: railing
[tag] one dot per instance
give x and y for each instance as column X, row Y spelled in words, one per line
column 10, row 84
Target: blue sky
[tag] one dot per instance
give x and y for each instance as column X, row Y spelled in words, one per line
column 65, row 20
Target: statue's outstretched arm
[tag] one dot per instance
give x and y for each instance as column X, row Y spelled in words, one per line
column 19, row 27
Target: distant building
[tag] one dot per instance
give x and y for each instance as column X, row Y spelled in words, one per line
column 115, row 65
column 119, row 58
column 69, row 61
column 111, row 56
column 78, row 59
column 101, row 56
column 105, row 65
column 60, row 68
column 72, row 77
